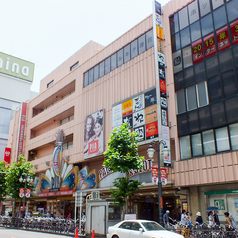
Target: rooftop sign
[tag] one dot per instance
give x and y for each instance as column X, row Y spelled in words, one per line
column 16, row 67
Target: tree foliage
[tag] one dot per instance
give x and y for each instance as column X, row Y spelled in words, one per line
column 18, row 169
column 122, row 156
column 3, row 187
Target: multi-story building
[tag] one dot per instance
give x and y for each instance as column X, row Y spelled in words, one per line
column 16, row 77
column 177, row 72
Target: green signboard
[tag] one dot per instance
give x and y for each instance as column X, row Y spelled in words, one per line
column 16, row 67
column 221, row 192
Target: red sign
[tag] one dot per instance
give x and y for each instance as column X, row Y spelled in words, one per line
column 197, row 51
column 56, row 193
column 28, row 192
column 163, row 172
column 93, row 147
column 154, row 175
column 7, row 154
column 223, row 39
column 163, row 86
column 152, row 130
column 21, row 192
column 21, row 129
column 209, row 44
column 234, row 32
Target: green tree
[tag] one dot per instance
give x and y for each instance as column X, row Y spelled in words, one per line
column 3, row 187
column 14, row 173
column 122, row 156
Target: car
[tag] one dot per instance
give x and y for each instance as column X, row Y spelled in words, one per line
column 139, row 229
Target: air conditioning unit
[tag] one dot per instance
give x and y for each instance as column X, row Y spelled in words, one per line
column 95, row 195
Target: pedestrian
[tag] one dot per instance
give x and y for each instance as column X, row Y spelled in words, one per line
column 211, row 221
column 199, row 219
column 188, row 219
column 184, row 218
column 216, row 218
column 228, row 222
column 166, row 219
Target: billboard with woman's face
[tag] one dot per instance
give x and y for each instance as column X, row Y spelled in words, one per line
column 94, row 134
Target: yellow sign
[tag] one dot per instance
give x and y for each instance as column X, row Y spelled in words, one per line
column 159, row 32
column 127, row 107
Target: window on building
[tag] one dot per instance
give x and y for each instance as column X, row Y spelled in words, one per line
column 193, row 12
column 218, row 114
column 207, row 25
column 101, row 69
column 196, row 145
column 107, row 66
column 134, row 49
column 234, row 136
column 217, row 3
column 232, row 10
column 202, row 94
column 215, row 89
column 180, row 102
column 195, row 31
column 96, row 73
column 218, row 20
column 185, row 148
column 175, row 42
column 212, row 66
column 229, row 83
column 127, row 53
column 222, row 139
column 189, row 77
column 231, row 106
column 200, row 72
column 193, row 121
column 113, row 61
column 205, row 118
column 183, row 18
column 205, row 7
column 50, row 83
column 90, row 76
column 141, row 44
column 86, row 79
column 149, row 39
column 120, row 57
column 208, row 142
column 185, row 37
column 191, row 98
column 187, row 57
column 74, row 66
column 226, row 60
column 235, row 52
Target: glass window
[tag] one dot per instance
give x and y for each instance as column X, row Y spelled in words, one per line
column 208, row 142
column 212, row 66
column 174, row 24
column 205, row 118
column 204, row 6
column 207, row 25
column 195, row 31
column 107, row 65
column 183, row 18
column 134, row 49
column 222, row 139
column 232, row 10
column 141, row 42
column 96, row 72
column 217, row 3
column 101, row 69
column 196, row 144
column 193, row 12
column 232, row 110
column 90, row 76
column 234, row 136
column 189, row 78
column 127, row 53
column 200, row 74
column 218, row 114
column 226, row 60
column 126, row 225
column 179, row 81
column 215, row 88
column 113, row 61
column 86, row 79
column 70, row 144
column 149, row 39
column 202, row 94
column 187, row 56
column 182, row 122
column 175, row 42
column 120, row 58
column 229, row 83
column 218, row 20
column 193, row 121
column 185, row 147
column 5, row 118
column 185, row 37
column 177, row 61
column 180, row 99
column 191, row 98
column 235, row 52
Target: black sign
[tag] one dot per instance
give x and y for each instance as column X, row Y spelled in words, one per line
column 158, row 8
column 140, row 132
column 129, row 120
column 150, row 98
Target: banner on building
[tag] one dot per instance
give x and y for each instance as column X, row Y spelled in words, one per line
column 21, row 192
column 7, row 155
column 21, row 130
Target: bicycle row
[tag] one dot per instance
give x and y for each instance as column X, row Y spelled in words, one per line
column 57, row 225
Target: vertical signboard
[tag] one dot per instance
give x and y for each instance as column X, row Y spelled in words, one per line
column 21, row 130
column 7, row 155
column 94, row 134
column 155, row 128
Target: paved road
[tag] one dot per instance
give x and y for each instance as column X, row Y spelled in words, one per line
column 15, row 233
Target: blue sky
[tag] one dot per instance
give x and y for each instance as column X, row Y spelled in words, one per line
column 47, row 32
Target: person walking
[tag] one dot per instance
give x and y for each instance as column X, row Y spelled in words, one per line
column 216, row 218
column 166, row 219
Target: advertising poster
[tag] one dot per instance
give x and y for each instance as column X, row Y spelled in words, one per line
column 138, row 103
column 234, row 32
column 163, row 102
column 164, row 118
column 129, row 120
column 94, row 134
column 127, row 107
column 150, row 98
column 209, row 45
column 7, row 154
column 223, row 39
column 197, row 51
column 151, row 114
column 152, row 130
column 139, row 118
column 140, row 132
column 155, row 175
column 163, row 172
column 117, row 116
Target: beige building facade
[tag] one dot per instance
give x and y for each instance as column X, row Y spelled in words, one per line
column 201, row 117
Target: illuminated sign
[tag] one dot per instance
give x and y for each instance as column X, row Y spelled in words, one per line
column 209, row 45
column 223, row 39
column 197, row 51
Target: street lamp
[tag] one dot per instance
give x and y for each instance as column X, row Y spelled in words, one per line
column 150, row 153
column 25, row 179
